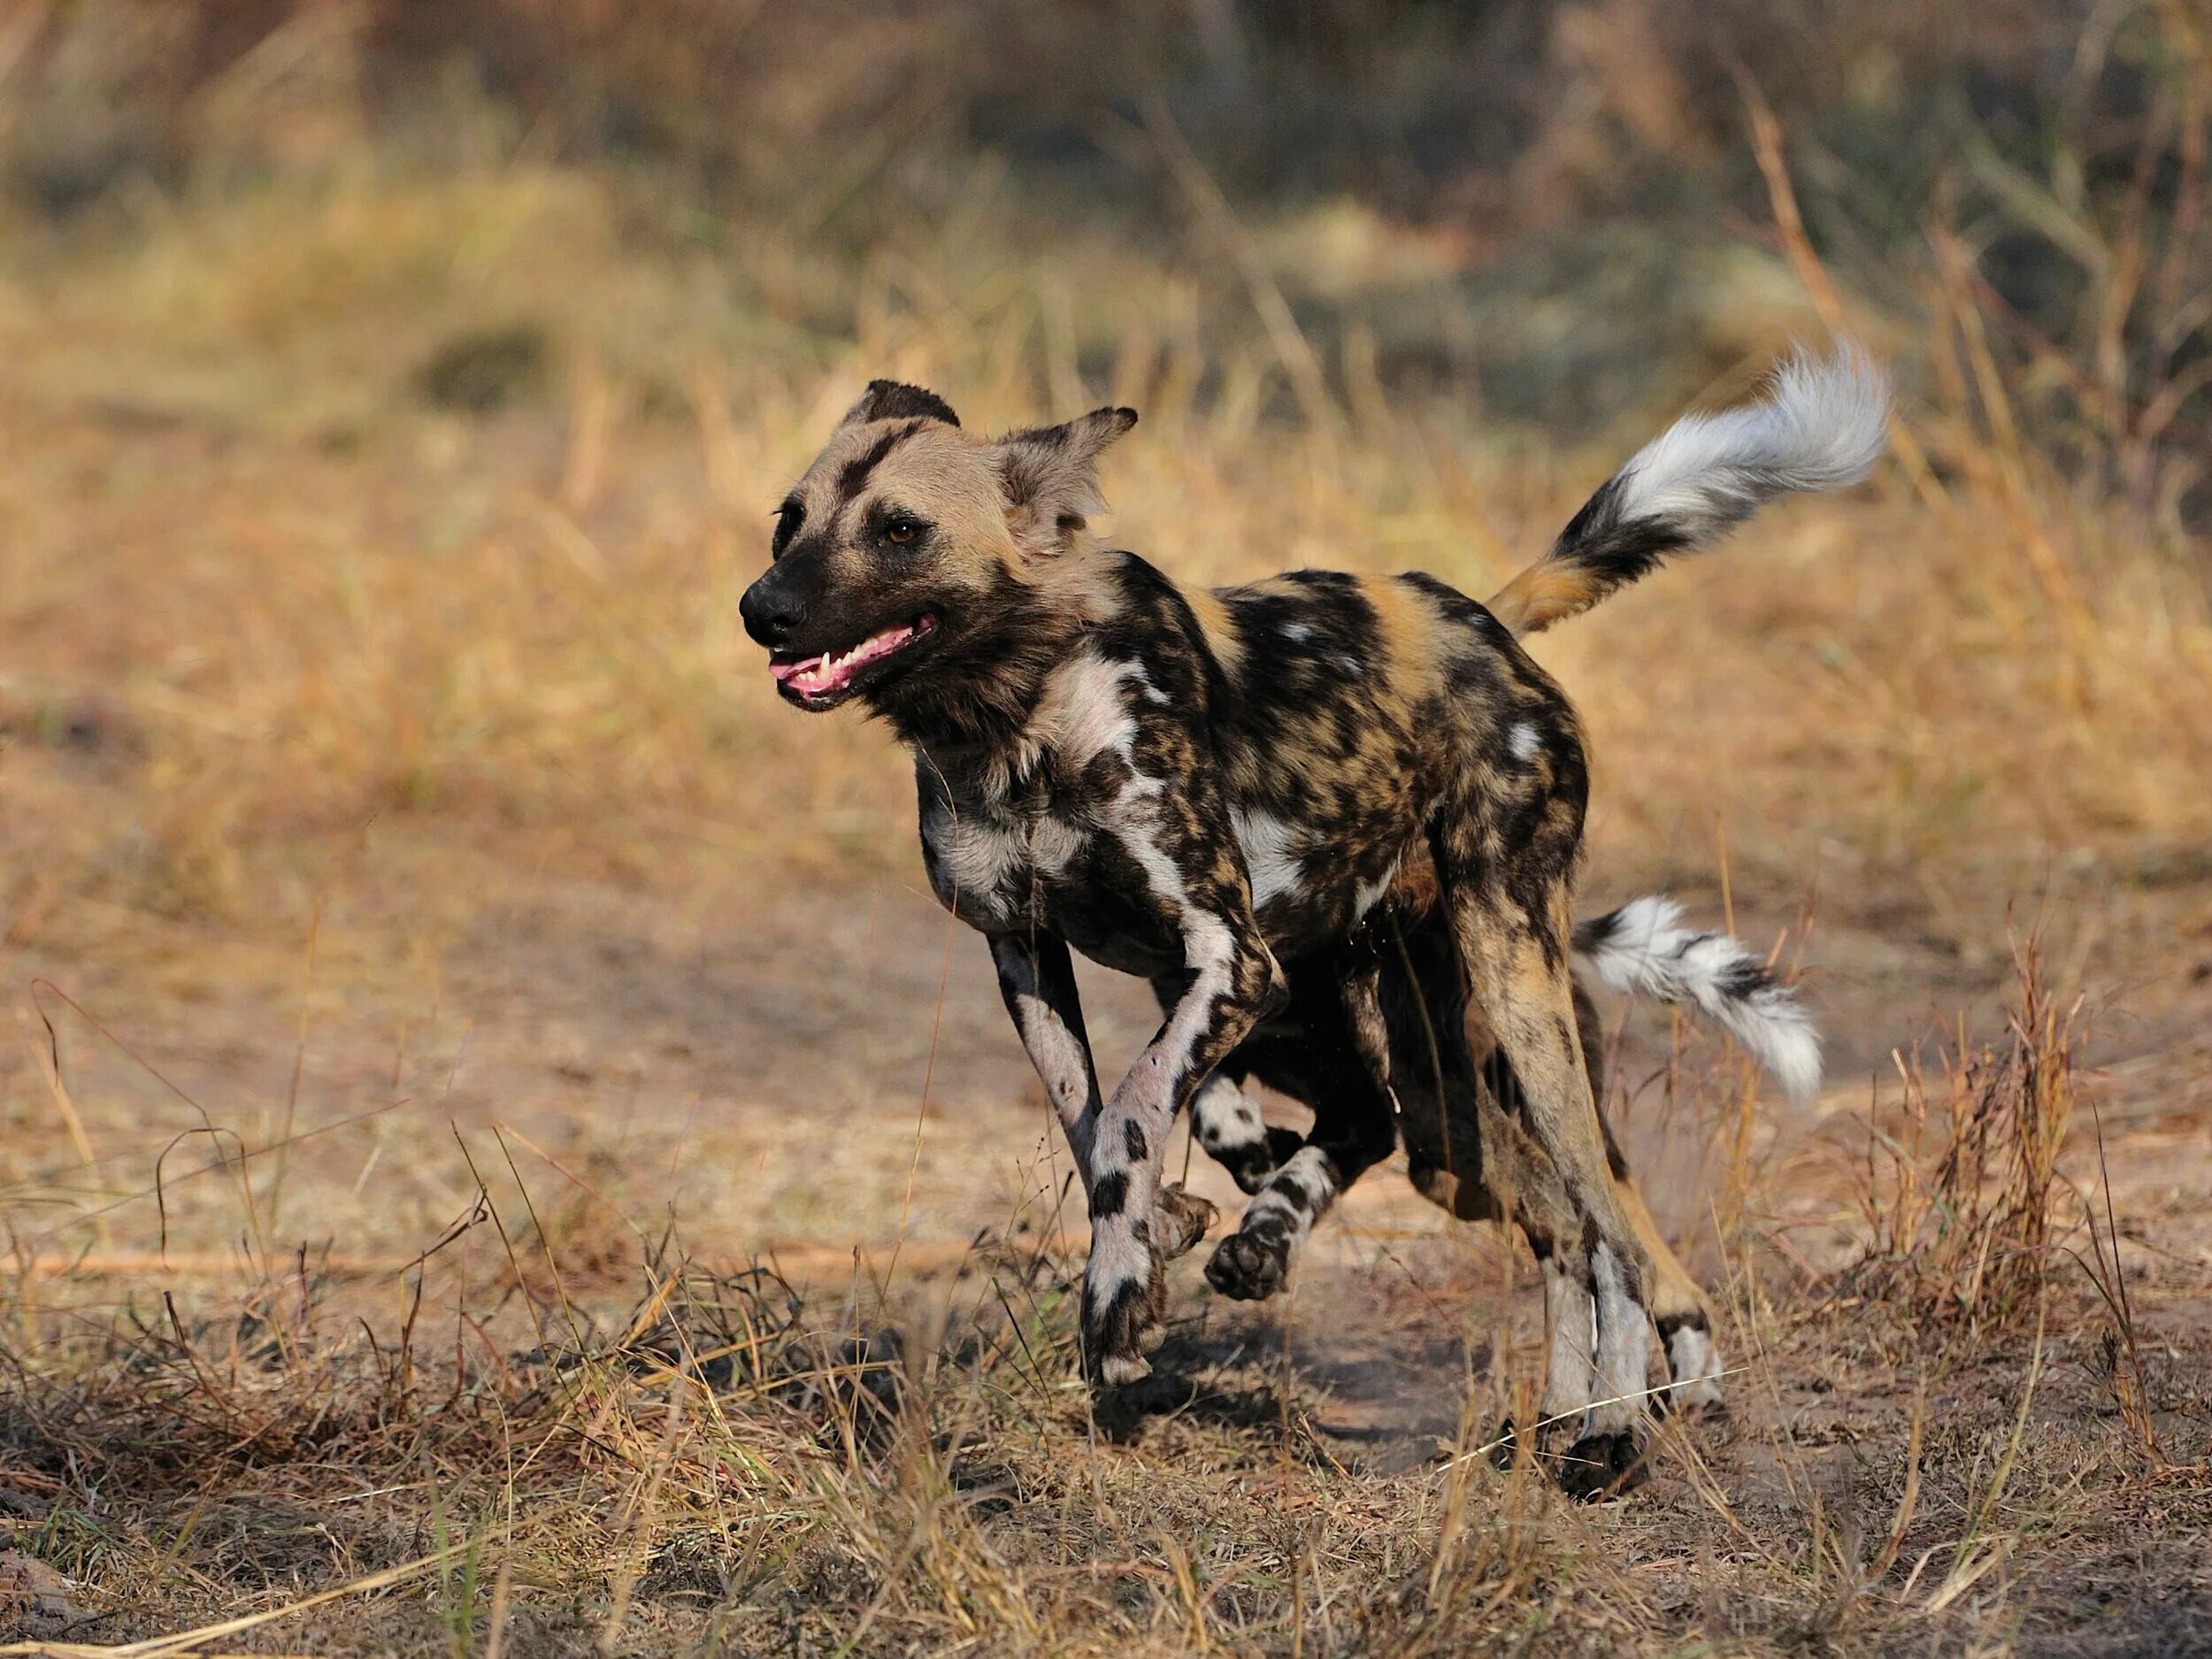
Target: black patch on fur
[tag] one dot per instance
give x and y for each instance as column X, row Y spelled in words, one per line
column 895, row 400
column 1133, row 1142
column 1597, row 933
column 1108, row 1197
column 852, row 478
column 1615, row 550
column 790, row 518
column 1673, row 1321
column 1448, row 599
column 1743, row 979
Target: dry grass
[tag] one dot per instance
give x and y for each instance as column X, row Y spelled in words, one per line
column 1962, row 1205
column 439, row 968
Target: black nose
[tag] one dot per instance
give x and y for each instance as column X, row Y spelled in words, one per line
column 771, row 610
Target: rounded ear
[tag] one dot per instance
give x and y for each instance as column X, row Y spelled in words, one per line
column 1049, row 475
column 896, row 400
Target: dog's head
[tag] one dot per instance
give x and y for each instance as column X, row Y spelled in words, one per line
column 915, row 561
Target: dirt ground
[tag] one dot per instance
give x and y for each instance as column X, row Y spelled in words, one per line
column 792, row 1077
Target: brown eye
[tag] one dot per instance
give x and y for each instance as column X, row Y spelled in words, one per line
column 901, row 530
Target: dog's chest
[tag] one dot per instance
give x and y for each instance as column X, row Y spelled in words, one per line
column 1036, row 857
column 995, row 863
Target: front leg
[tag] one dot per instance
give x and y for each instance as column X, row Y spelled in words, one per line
column 1232, row 981
column 1036, row 976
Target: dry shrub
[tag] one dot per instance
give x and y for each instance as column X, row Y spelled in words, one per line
column 1963, row 1202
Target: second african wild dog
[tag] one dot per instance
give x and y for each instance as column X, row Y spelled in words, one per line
column 1452, row 1096
column 1201, row 786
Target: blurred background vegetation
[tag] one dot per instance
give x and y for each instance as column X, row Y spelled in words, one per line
column 393, row 386
column 1538, row 198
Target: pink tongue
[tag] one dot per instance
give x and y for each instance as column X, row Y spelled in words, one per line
column 811, row 678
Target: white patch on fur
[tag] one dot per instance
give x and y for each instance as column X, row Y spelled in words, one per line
column 1695, row 1364
column 1367, row 894
column 1823, row 426
column 1623, row 1347
column 986, row 862
column 1224, row 1118
column 1524, row 742
column 1062, row 1065
column 1570, row 1320
column 1296, row 632
column 1209, row 952
column 1053, row 844
column 1646, row 948
column 1084, row 710
column 1271, row 854
column 979, row 859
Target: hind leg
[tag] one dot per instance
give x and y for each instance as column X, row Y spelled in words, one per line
column 1323, row 1048
column 1511, row 924
column 1224, row 1119
column 1677, row 1305
column 1466, row 1152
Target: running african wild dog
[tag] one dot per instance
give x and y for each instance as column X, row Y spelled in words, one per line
column 1215, row 788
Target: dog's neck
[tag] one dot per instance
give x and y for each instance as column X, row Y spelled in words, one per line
column 968, row 709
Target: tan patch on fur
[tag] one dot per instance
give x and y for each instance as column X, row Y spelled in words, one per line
column 1540, row 596
column 1219, row 632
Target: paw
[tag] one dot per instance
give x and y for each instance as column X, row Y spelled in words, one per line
column 1600, row 1466
column 1698, row 1402
column 1249, row 1267
column 1505, row 1444
column 1545, row 1442
column 1121, row 1324
column 1179, row 1219
column 1696, row 1366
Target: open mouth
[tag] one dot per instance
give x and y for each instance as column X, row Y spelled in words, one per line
column 827, row 678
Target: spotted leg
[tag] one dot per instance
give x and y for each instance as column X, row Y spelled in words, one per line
column 1036, row 977
column 1324, row 1048
column 1225, row 1120
column 1232, row 981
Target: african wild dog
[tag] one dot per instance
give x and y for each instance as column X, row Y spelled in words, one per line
column 1202, row 786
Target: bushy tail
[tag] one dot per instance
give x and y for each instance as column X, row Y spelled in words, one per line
column 1823, row 426
column 1643, row 946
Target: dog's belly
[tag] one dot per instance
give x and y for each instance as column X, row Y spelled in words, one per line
column 1336, row 889
column 1115, row 936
